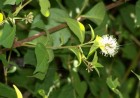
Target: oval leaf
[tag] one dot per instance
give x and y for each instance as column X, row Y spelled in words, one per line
column 77, row 28
column 44, row 56
column 93, row 49
column 45, row 5
column 96, row 14
column 8, row 35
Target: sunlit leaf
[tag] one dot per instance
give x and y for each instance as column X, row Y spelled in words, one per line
column 1, row 18
column 19, row 94
column 77, row 28
column 11, row 2
column 95, row 59
column 98, row 65
column 42, row 93
column 45, row 5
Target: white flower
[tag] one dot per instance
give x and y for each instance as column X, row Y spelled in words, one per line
column 108, row 45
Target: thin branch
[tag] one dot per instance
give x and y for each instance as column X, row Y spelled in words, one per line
column 51, row 30
column 116, row 4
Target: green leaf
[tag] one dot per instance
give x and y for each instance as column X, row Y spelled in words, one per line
column 137, row 9
column 45, row 40
column 18, row 1
column 113, row 84
column 77, row 52
column 80, row 86
column 98, row 65
column 44, row 56
column 6, row 91
column 93, row 49
column 8, row 35
column 58, row 15
column 3, row 59
column 49, row 79
column 38, row 22
column 96, row 69
column 96, row 14
column 77, row 28
column 11, row 2
column 92, row 32
column 138, row 76
column 29, row 57
column 127, row 19
column 45, row 5
column 95, row 63
column 42, row 93
column 95, row 59
column 66, row 92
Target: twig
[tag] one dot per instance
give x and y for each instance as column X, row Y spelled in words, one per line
column 19, row 43
column 115, row 4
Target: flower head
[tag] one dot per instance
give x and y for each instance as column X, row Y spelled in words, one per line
column 108, row 45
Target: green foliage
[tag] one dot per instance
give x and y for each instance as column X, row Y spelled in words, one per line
column 45, row 5
column 77, row 28
column 137, row 8
column 44, row 56
column 11, row 2
column 6, row 91
column 8, row 35
column 96, row 14
column 53, row 48
column 113, row 84
column 77, row 52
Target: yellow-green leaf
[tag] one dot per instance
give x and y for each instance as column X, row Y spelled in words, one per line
column 45, row 5
column 19, row 95
column 77, row 28
column 1, row 18
column 92, row 32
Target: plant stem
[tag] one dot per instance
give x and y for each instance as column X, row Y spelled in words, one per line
column 5, row 68
column 59, row 47
column 21, row 7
